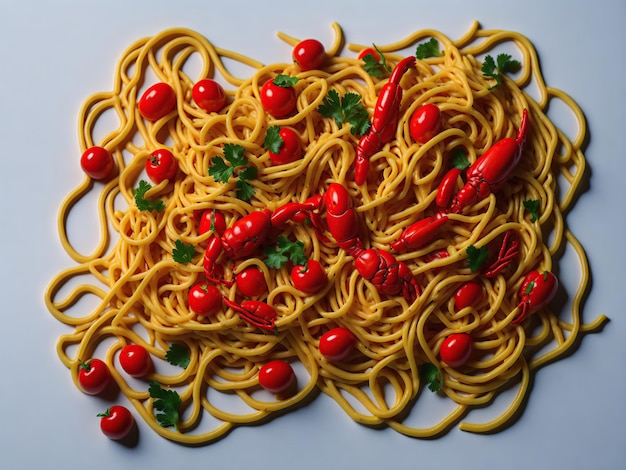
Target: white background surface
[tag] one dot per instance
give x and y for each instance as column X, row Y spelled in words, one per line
column 54, row 54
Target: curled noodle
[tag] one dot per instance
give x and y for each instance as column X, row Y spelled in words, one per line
column 141, row 292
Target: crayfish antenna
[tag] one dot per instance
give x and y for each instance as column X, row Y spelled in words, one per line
column 522, row 315
column 521, row 132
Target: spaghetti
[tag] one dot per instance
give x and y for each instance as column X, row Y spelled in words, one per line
column 141, row 291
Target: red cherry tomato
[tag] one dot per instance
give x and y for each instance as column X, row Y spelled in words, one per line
column 276, row 376
column 337, row 344
column 309, row 54
column 456, row 349
column 207, row 219
column 309, row 278
column 135, row 360
column 94, row 376
column 209, row 95
column 290, row 149
column 470, row 293
column 204, row 299
column 369, row 51
column 116, row 422
column 161, row 165
column 425, row 123
column 157, row 101
column 251, row 281
column 277, row 100
column 97, row 162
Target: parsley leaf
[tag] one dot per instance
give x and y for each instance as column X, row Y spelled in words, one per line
column 285, row 250
column 167, row 402
column 238, row 165
column 331, row 107
column 178, row 355
column 459, row 159
column 247, row 173
column 144, row 204
column 476, row 256
column 285, row 81
column 273, row 141
column 219, row 170
column 182, row 252
column 428, row 49
column 235, row 154
column 431, row 374
column 533, row 207
column 348, row 109
column 376, row 68
column 495, row 68
column 244, row 190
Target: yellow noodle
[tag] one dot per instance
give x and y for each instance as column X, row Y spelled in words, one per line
column 140, row 291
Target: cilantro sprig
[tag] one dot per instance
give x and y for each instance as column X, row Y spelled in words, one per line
column 496, row 68
column 376, row 68
column 273, row 141
column 234, row 164
column 183, row 252
column 431, row 374
column 346, row 109
column 459, row 159
column 476, row 256
column 428, row 49
column 285, row 250
column 285, row 81
column 533, row 206
column 144, row 204
column 167, row 403
column 178, row 355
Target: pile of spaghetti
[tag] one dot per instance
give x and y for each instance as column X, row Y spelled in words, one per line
column 141, row 292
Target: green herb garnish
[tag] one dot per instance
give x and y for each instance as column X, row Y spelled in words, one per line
column 144, row 204
column 346, row 109
column 428, row 49
column 285, row 250
column 495, row 69
column 431, row 374
column 167, row 402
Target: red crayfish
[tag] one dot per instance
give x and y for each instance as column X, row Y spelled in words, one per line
column 384, row 120
column 381, row 268
column 488, row 174
column 241, row 240
column 536, row 292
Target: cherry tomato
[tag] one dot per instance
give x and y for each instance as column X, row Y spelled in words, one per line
column 309, row 278
column 276, row 376
column 369, row 51
column 207, row 219
column 456, row 349
column 277, row 100
column 251, row 281
column 157, row 101
column 290, row 149
column 337, row 344
column 97, row 162
column 116, row 422
column 470, row 293
column 425, row 123
column 309, row 54
column 94, row 376
column 161, row 165
column 209, row 95
column 204, row 299
column 135, row 360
